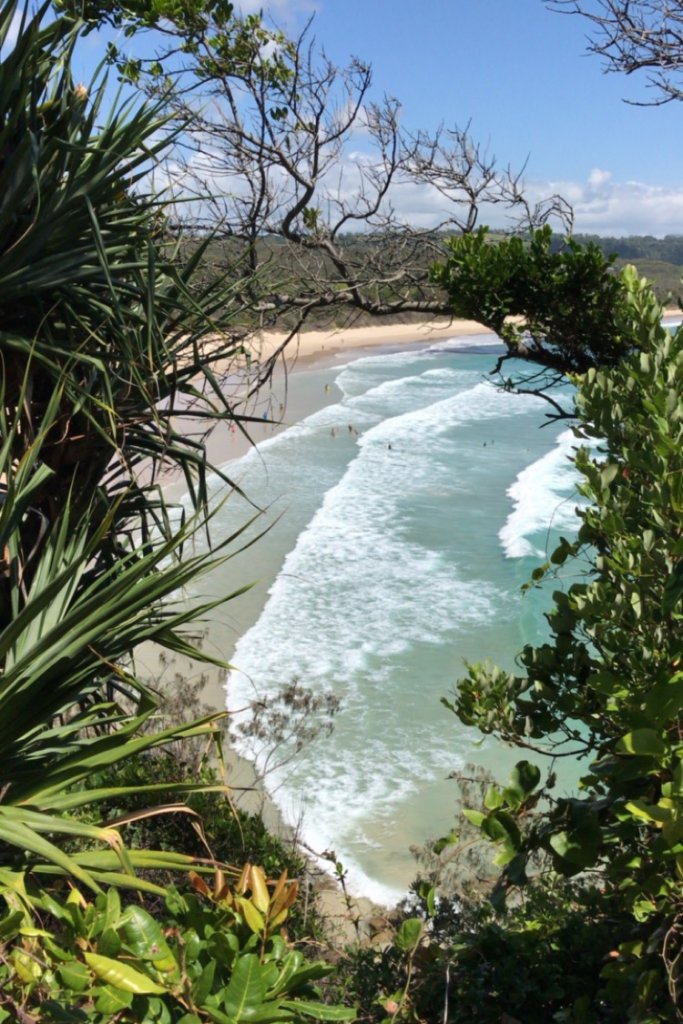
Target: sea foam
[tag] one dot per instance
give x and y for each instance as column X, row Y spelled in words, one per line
column 544, row 497
column 360, row 597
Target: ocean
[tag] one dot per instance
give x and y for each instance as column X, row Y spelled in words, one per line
column 404, row 516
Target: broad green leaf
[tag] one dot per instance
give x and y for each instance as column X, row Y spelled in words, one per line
column 109, row 999
column 573, row 849
column 109, row 943
column 251, row 915
column 664, row 699
column 644, row 909
column 501, row 827
column 642, row 742
column 608, row 474
column 144, row 937
column 296, row 973
column 648, row 812
column 409, row 934
column 259, row 889
column 74, row 975
column 493, row 799
column 122, row 975
column 204, row 983
column 476, row 817
column 320, row 1011
column 525, row 777
column 246, row 989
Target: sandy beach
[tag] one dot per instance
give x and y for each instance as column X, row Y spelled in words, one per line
column 279, row 405
column 285, row 407
column 272, row 409
column 316, row 344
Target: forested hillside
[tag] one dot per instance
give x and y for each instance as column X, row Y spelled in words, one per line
column 660, row 260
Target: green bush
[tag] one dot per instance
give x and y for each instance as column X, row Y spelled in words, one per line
column 212, row 955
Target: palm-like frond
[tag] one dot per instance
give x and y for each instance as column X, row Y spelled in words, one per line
column 75, row 624
column 101, row 338
column 93, row 297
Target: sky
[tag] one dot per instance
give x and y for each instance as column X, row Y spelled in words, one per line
column 520, row 76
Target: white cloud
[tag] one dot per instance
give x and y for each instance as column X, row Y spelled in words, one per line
column 602, row 204
column 277, row 9
column 597, row 178
column 605, row 206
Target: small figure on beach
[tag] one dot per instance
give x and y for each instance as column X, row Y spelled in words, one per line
column 389, row 448
column 328, row 388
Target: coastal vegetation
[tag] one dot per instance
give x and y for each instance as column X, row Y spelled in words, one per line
column 114, row 907
column 103, row 362
column 575, row 914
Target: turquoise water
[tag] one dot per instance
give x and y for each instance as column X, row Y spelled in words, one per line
column 412, row 507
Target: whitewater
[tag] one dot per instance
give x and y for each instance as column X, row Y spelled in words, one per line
column 406, row 514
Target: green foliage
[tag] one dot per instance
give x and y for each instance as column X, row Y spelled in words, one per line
column 220, row 43
column 212, row 955
column 635, row 248
column 608, row 685
column 538, row 964
column 97, row 330
column 102, row 344
column 101, row 329
column 231, row 835
column 570, row 302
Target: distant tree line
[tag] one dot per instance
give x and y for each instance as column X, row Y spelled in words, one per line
column 634, row 247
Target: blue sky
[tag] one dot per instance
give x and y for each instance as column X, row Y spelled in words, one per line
column 521, row 74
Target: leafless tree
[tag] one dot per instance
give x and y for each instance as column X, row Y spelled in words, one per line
column 637, row 35
column 302, row 176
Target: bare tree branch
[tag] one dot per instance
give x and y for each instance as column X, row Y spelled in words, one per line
column 636, row 35
column 302, row 177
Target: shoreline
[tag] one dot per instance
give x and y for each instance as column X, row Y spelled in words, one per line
column 316, row 345
column 305, row 351
column 311, row 351
column 349, row 916
column 314, row 350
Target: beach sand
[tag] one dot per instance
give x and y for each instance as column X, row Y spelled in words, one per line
column 318, row 344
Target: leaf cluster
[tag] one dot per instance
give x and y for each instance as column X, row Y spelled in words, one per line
column 100, row 333
column 214, row 955
column 563, row 309
column 608, row 685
